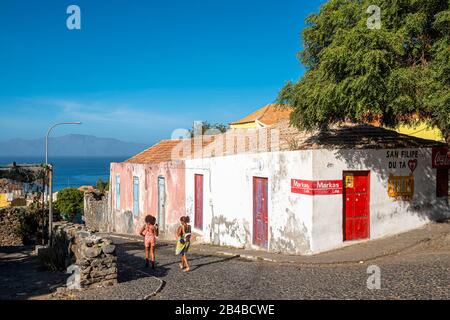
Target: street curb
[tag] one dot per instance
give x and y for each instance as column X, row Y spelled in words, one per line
column 158, row 290
column 250, row 257
column 345, row 262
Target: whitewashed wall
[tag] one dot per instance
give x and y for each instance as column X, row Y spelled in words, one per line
column 305, row 224
column 388, row 216
column 228, row 199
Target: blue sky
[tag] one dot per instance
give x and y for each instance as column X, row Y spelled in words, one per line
column 139, row 69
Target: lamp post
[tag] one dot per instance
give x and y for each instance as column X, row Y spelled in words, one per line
column 49, row 169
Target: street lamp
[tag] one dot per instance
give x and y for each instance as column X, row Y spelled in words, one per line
column 48, row 134
column 49, row 168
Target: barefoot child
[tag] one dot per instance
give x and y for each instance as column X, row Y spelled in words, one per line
column 183, row 242
column 149, row 231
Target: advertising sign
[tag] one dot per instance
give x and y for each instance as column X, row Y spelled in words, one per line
column 320, row 187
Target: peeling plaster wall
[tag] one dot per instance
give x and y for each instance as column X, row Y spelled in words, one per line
column 123, row 220
column 228, row 199
column 388, row 216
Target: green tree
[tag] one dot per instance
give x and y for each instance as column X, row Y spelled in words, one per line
column 102, row 186
column 393, row 74
column 70, row 202
column 207, row 128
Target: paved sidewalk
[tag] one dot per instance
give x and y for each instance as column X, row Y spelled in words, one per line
column 355, row 253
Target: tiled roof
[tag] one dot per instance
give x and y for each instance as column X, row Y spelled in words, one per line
column 347, row 136
column 167, row 150
column 268, row 115
column 280, row 137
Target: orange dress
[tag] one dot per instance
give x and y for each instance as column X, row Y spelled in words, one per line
column 149, row 235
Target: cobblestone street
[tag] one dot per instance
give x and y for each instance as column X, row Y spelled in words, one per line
column 422, row 272
column 418, row 272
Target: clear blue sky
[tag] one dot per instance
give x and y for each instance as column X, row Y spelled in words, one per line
column 137, row 70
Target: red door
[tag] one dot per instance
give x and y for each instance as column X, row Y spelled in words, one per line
column 356, row 205
column 260, row 216
column 198, row 222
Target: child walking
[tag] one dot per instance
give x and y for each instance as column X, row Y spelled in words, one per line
column 183, row 242
column 150, row 231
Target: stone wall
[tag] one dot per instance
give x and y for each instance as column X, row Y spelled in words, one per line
column 96, row 210
column 93, row 256
column 9, row 225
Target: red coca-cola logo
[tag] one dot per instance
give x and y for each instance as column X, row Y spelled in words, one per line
column 441, row 158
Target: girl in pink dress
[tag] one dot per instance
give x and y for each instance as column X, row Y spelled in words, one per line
column 149, row 231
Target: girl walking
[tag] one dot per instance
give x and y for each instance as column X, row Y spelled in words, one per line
column 150, row 231
column 183, row 242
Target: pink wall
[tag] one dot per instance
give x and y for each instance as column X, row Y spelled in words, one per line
column 174, row 174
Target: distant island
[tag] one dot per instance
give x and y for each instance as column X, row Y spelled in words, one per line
column 72, row 145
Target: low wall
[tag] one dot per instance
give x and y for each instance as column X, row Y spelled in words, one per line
column 96, row 210
column 93, row 258
column 9, row 224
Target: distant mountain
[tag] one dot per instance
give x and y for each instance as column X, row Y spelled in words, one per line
column 73, row 145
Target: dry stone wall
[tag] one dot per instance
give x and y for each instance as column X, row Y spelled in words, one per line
column 96, row 210
column 9, row 224
column 92, row 257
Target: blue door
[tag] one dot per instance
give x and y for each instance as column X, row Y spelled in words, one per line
column 136, row 196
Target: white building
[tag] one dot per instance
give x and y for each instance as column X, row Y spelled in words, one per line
column 313, row 193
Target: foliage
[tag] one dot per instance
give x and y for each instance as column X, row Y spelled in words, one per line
column 28, row 225
column 70, row 202
column 102, row 186
column 209, row 129
column 393, row 75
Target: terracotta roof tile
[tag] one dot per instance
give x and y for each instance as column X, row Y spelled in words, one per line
column 268, row 115
column 167, row 150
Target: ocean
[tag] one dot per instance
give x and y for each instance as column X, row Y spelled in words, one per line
column 71, row 172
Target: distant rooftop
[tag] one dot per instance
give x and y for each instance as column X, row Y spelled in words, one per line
column 267, row 115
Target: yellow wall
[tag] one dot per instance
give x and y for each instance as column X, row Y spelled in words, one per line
column 3, row 200
column 421, row 131
column 249, row 125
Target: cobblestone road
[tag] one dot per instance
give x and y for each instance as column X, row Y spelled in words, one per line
column 422, row 272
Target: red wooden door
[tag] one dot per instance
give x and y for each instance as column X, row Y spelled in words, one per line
column 356, row 205
column 260, row 215
column 198, row 222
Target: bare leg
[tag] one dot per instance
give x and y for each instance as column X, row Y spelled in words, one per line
column 152, row 252
column 147, row 253
column 186, row 264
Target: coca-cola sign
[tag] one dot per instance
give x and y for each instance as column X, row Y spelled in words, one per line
column 441, row 158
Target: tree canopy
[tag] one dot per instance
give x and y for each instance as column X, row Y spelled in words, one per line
column 399, row 73
column 206, row 128
column 70, row 202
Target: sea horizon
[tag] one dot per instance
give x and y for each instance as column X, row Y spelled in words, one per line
column 69, row 171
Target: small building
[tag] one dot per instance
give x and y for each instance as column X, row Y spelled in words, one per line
column 86, row 188
column 279, row 189
column 152, row 182
column 11, row 194
column 318, row 192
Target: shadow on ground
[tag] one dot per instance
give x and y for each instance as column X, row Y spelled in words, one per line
column 22, row 276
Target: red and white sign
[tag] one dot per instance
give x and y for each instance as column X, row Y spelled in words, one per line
column 320, row 187
column 441, row 158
